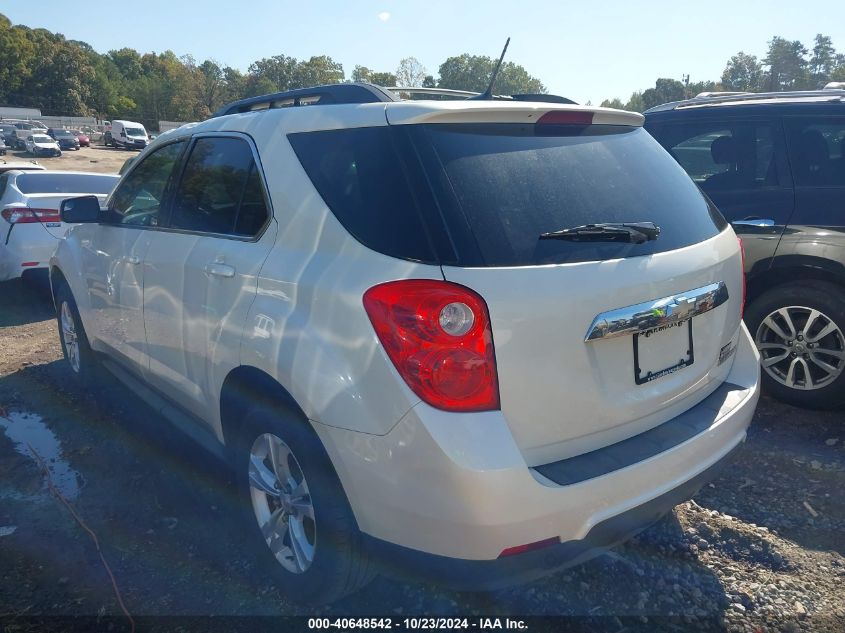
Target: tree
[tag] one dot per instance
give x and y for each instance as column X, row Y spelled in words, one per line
column 410, row 73
column 664, row 91
column 742, row 73
column 317, row 71
column 473, row 72
column 273, row 74
column 787, row 65
column 613, row 103
column 824, row 61
column 362, row 73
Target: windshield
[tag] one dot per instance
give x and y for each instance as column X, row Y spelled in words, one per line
column 41, row 138
column 482, row 194
column 66, row 183
column 135, row 131
column 62, row 133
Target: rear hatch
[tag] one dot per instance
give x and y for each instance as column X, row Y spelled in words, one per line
column 595, row 341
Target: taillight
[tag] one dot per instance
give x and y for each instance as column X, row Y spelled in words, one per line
column 744, row 287
column 566, row 117
column 25, row 215
column 528, row 547
column 439, row 338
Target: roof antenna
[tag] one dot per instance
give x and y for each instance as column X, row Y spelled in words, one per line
column 487, row 95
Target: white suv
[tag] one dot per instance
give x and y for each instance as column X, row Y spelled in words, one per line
column 486, row 338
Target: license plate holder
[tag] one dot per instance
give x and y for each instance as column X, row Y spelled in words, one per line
column 650, row 338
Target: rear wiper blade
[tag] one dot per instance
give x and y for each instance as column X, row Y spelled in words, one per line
column 633, row 232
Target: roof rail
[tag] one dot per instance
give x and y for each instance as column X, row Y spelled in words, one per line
column 754, row 96
column 720, row 93
column 318, row 95
column 705, row 99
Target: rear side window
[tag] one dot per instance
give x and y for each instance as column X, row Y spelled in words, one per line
column 359, row 174
column 220, row 190
column 817, row 151
column 490, row 190
column 137, row 200
column 723, row 156
column 45, row 182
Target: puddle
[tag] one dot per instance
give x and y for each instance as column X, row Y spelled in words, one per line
column 28, row 428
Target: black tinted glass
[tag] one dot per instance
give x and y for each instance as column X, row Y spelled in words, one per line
column 218, row 176
column 817, row 151
column 489, row 190
column 359, row 174
column 503, row 185
column 723, row 155
column 137, row 200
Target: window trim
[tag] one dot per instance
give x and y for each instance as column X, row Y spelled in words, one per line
column 165, row 198
column 177, row 181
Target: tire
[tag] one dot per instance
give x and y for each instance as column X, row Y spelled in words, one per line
column 799, row 366
column 321, row 514
column 83, row 362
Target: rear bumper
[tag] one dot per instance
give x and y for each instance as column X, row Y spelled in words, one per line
column 26, row 243
column 490, row 575
column 456, row 485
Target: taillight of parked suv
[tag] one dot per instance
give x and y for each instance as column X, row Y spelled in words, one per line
column 439, row 338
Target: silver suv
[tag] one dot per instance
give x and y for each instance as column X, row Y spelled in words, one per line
column 484, row 337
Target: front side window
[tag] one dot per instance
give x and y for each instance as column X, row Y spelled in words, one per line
column 723, row 156
column 817, row 151
column 220, row 190
column 137, row 200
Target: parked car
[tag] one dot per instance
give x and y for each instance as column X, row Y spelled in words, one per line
column 126, row 134
column 22, row 131
column 29, row 205
column 7, row 131
column 84, row 139
column 774, row 164
column 65, row 138
column 2, row 146
column 42, row 145
column 22, row 165
column 482, row 338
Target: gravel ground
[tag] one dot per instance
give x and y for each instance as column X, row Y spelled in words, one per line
column 759, row 549
column 96, row 158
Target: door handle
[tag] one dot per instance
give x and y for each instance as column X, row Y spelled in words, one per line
column 761, row 222
column 219, row 270
column 133, row 259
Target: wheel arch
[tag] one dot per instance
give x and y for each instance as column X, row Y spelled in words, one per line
column 246, row 385
column 795, row 269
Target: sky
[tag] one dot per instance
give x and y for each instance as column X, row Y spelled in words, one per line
column 587, row 51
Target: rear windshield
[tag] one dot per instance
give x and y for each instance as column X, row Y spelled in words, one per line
column 65, row 183
column 482, row 194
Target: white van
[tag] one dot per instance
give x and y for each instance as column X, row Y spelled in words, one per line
column 127, row 134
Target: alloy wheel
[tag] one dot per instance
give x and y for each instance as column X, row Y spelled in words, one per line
column 801, row 348
column 282, row 503
column 69, row 337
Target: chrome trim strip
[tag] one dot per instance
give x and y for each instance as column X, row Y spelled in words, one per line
column 657, row 313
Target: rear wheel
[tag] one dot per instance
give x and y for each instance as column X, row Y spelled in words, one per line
column 303, row 527
column 799, row 329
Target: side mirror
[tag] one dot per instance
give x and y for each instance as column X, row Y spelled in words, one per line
column 78, row 210
column 122, row 133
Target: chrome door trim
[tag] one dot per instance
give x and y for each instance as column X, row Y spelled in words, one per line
column 658, row 313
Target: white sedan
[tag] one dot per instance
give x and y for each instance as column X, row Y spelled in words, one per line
column 29, row 207
column 42, row 145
